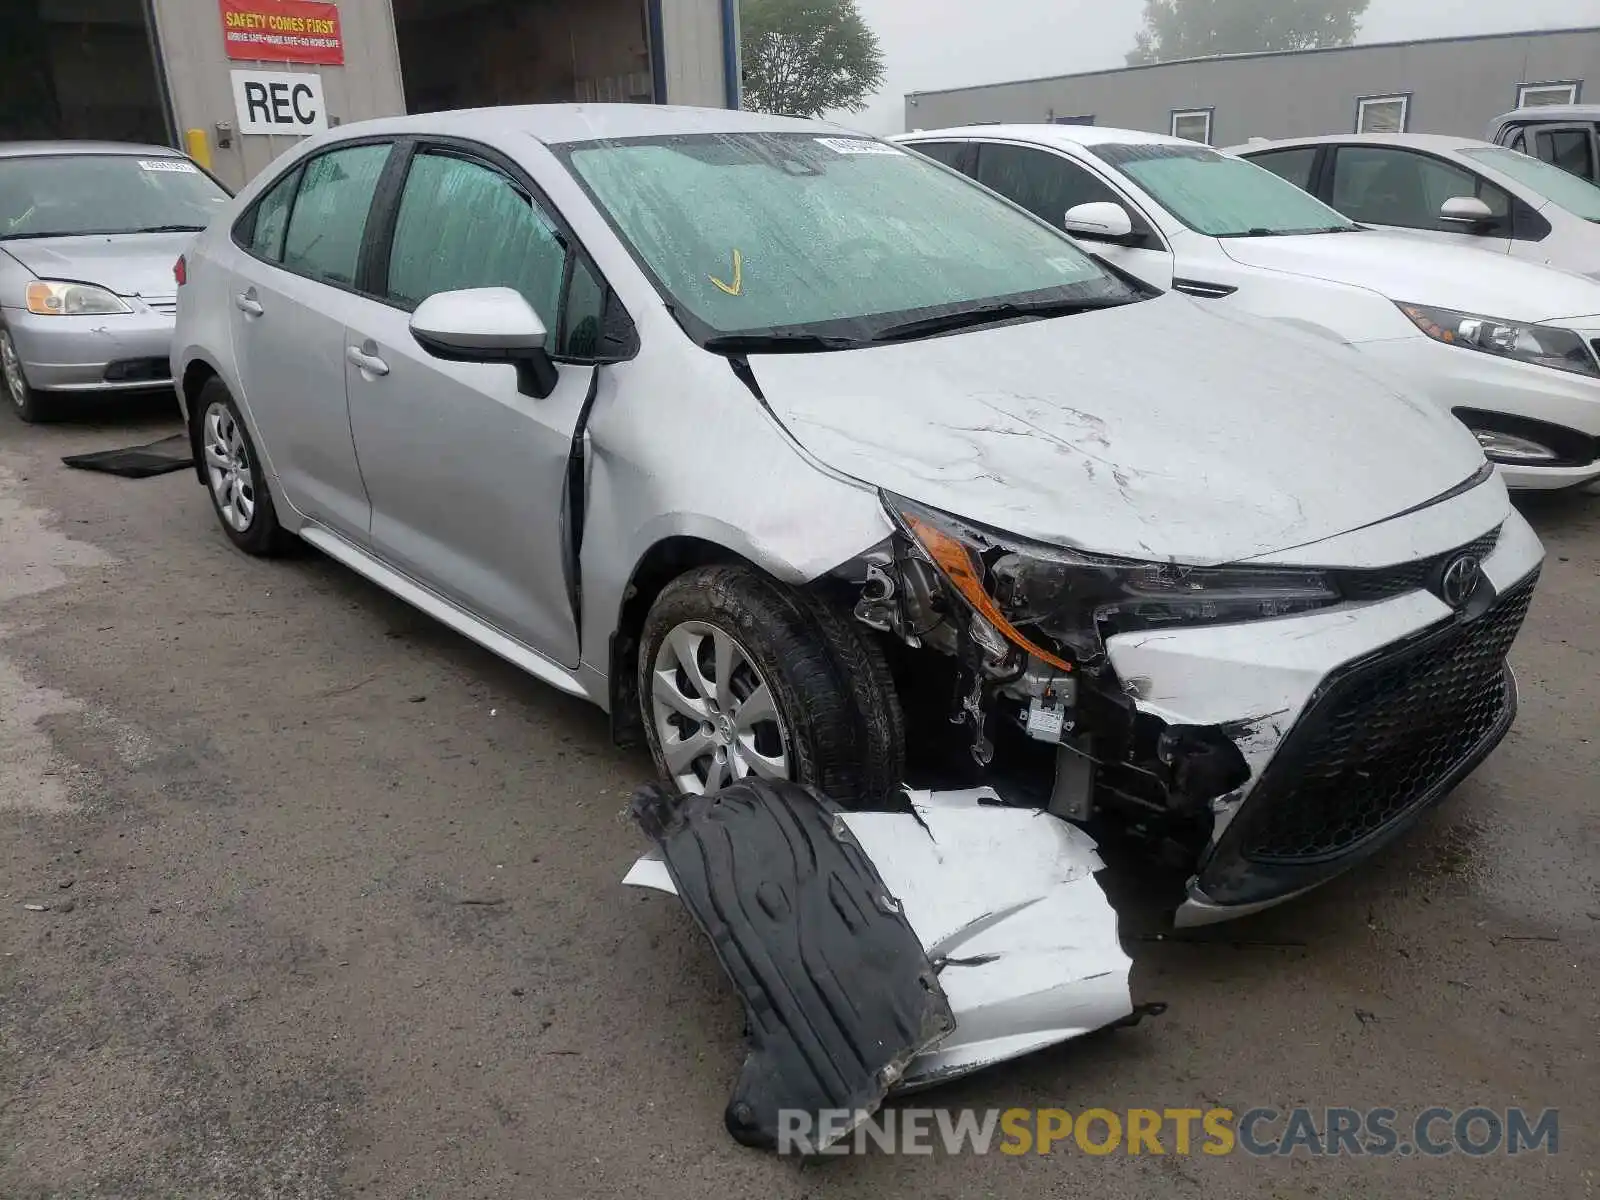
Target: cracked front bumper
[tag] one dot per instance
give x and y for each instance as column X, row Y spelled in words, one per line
column 116, row 352
column 1357, row 720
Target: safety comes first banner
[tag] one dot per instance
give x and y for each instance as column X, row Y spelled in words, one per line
column 294, row 31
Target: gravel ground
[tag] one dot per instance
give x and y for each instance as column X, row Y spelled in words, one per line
column 257, row 798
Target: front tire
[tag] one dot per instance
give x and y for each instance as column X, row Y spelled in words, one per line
column 235, row 479
column 741, row 676
column 30, row 405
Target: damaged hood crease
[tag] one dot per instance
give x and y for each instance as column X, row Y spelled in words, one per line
column 1127, row 431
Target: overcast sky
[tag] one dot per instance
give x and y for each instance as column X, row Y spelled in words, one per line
column 930, row 44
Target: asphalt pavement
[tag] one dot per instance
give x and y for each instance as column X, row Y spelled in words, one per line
column 303, row 896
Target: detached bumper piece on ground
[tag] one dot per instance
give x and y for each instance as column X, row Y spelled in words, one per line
column 884, row 951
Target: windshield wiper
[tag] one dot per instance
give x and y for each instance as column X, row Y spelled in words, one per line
column 29, row 234
column 778, row 343
column 988, row 314
column 1262, row 231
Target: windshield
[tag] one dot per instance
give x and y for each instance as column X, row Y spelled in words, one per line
column 61, row 195
column 1220, row 196
column 835, row 238
column 1572, row 192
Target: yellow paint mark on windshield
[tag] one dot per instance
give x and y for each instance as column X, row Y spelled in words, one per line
column 737, row 286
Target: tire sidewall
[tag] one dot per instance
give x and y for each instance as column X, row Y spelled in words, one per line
column 723, row 606
column 28, row 407
column 262, row 533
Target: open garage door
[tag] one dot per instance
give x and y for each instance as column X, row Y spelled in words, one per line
column 80, row 69
column 471, row 53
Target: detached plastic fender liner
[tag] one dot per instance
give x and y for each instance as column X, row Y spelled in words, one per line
column 838, row 991
column 1004, row 901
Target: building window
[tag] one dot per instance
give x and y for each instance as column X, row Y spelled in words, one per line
column 1383, row 114
column 1537, row 95
column 1193, row 124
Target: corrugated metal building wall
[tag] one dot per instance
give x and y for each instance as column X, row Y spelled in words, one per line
column 1455, row 86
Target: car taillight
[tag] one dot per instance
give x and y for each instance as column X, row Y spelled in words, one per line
column 180, row 270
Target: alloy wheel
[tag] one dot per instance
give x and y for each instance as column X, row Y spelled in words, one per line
column 714, row 712
column 227, row 461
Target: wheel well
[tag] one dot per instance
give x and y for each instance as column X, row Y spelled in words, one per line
column 195, row 377
column 661, row 564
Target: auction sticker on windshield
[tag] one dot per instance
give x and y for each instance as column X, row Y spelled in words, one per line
column 858, row 146
column 175, row 165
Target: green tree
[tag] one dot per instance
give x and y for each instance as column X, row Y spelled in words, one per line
column 1195, row 28
column 805, row 57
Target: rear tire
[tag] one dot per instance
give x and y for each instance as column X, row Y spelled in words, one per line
column 740, row 675
column 31, row 405
column 235, row 479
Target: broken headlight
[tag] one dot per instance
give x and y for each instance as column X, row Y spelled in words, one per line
column 1060, row 604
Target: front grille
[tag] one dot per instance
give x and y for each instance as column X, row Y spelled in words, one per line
column 1382, row 738
column 1388, row 582
column 139, row 370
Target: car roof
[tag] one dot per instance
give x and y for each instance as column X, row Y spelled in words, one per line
column 556, row 124
column 1051, row 135
column 1415, row 141
column 68, row 146
column 1551, row 112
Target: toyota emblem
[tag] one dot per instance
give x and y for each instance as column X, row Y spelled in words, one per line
column 1460, row 580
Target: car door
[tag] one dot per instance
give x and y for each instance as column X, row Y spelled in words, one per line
column 1570, row 147
column 1047, row 184
column 467, row 474
column 291, row 295
column 1398, row 188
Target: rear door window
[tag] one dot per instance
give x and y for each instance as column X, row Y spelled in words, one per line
column 329, row 218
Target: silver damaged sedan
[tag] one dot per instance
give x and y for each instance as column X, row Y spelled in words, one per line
column 89, row 233
column 797, row 451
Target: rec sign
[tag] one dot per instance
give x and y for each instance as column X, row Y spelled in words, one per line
column 296, row 31
column 286, row 103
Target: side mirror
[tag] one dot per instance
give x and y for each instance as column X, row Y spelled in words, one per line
column 1102, row 220
column 487, row 325
column 1466, row 210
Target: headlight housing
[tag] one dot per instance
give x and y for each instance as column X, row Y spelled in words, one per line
column 1061, row 604
column 1542, row 345
column 58, row 298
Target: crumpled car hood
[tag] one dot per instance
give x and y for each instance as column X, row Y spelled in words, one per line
column 130, row 265
column 1158, row 430
column 1409, row 269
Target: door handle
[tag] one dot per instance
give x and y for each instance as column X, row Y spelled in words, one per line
column 370, row 363
column 247, row 303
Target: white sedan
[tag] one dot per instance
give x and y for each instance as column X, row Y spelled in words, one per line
column 1509, row 347
column 1447, row 189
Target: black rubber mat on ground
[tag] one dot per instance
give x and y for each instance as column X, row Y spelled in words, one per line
column 838, row 991
column 138, row 462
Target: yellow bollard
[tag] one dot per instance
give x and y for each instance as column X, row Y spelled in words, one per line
column 199, row 148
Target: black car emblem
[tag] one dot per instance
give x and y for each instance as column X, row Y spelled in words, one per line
column 1460, row 580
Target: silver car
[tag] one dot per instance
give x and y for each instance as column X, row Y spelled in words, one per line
column 792, row 449
column 89, row 234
